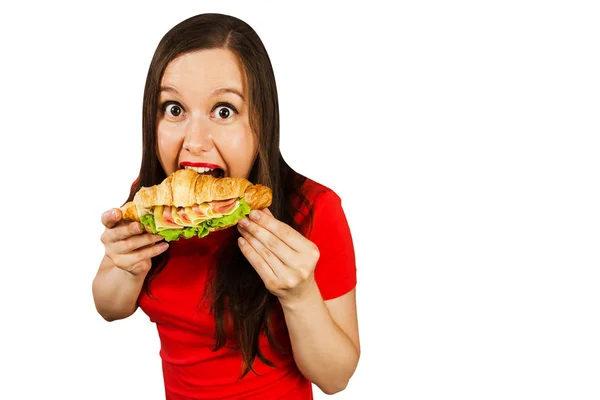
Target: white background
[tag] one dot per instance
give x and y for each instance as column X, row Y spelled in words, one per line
column 462, row 137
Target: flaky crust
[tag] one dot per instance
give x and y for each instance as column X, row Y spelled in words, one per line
column 185, row 187
column 258, row 197
column 129, row 212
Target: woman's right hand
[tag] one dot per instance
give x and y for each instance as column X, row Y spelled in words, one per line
column 128, row 245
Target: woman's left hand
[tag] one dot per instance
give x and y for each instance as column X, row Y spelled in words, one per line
column 284, row 259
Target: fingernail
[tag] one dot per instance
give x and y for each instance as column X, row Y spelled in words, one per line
column 113, row 214
column 244, row 222
column 255, row 215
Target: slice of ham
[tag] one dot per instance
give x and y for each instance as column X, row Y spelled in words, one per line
column 168, row 218
column 183, row 215
column 223, row 206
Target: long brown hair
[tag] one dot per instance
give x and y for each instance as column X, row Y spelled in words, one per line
column 237, row 294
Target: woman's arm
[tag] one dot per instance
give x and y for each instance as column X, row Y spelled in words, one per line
column 126, row 262
column 324, row 337
column 116, row 291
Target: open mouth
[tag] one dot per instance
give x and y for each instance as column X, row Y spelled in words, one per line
column 216, row 172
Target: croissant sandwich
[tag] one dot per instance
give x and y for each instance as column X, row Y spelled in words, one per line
column 188, row 204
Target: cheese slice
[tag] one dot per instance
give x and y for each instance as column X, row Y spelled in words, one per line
column 158, row 218
column 159, row 221
column 197, row 219
column 177, row 218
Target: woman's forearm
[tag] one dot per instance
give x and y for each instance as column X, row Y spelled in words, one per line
column 116, row 291
column 322, row 351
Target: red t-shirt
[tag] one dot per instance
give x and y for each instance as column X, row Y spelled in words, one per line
column 186, row 329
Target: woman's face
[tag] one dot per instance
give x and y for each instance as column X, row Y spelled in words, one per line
column 203, row 119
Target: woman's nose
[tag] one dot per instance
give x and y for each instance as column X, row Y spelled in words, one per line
column 198, row 137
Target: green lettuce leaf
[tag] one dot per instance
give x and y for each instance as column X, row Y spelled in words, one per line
column 189, row 232
column 202, row 231
column 239, row 213
column 171, row 234
column 149, row 220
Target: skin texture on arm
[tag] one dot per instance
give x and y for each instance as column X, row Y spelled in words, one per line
column 115, row 291
column 324, row 335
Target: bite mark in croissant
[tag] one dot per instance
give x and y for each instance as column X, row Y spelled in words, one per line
column 188, row 204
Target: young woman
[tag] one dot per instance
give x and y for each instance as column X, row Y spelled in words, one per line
column 256, row 311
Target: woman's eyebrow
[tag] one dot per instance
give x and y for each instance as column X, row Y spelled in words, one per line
column 228, row 90
column 168, row 89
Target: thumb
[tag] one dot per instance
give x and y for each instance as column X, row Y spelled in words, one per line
column 111, row 218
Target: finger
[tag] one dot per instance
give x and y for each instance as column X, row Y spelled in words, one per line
column 135, row 242
column 128, row 230
column 267, row 211
column 263, row 269
column 267, row 241
column 122, row 232
column 283, row 231
column 128, row 261
column 111, row 217
column 274, row 262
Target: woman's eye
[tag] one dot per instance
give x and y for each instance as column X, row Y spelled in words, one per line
column 173, row 110
column 223, row 112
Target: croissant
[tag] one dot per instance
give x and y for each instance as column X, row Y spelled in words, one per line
column 188, row 204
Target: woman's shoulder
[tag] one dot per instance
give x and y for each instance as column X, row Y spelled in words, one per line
column 319, row 205
column 317, row 192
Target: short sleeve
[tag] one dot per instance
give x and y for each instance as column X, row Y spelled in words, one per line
column 335, row 273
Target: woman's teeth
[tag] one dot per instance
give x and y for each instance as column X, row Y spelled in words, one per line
column 200, row 170
column 217, row 173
